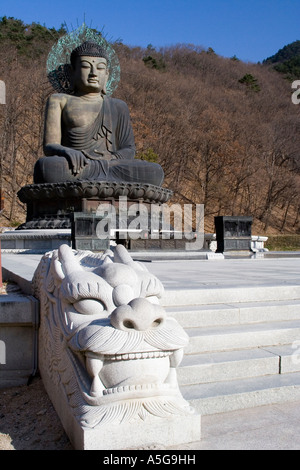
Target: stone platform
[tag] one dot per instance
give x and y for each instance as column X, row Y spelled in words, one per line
column 34, row 241
column 39, row 241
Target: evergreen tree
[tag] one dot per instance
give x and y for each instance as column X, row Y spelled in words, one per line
column 250, row 82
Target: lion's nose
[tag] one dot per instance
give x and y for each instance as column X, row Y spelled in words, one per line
column 139, row 315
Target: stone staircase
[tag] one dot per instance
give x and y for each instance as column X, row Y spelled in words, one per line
column 244, row 348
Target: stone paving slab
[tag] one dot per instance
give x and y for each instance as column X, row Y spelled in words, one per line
column 269, row 427
column 193, row 274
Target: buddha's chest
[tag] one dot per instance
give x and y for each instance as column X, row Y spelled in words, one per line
column 80, row 113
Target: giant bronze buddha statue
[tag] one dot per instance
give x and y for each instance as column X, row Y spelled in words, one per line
column 88, row 135
column 88, row 140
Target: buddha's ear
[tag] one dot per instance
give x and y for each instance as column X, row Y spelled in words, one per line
column 69, row 73
column 106, row 79
column 69, row 69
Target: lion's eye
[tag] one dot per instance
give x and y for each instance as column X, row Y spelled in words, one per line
column 89, row 306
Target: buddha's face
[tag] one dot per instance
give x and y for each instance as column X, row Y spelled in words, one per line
column 90, row 74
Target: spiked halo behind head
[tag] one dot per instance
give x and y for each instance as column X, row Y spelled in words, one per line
column 59, row 58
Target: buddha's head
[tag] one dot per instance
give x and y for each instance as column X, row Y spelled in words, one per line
column 89, row 68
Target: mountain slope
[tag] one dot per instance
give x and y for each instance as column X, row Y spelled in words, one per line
column 225, row 132
column 287, row 61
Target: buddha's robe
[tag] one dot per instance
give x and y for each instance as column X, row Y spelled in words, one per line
column 111, row 131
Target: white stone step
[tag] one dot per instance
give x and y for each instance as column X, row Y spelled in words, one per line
column 226, row 338
column 239, row 394
column 289, row 356
column 229, row 365
column 193, row 316
column 230, row 294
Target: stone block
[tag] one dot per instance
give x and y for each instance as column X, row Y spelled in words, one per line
column 18, row 339
column 153, row 431
column 233, row 233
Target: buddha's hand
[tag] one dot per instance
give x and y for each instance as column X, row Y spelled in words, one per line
column 105, row 155
column 76, row 159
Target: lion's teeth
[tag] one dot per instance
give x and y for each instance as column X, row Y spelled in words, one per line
column 176, row 358
column 137, row 387
column 137, row 355
column 97, row 387
column 94, row 365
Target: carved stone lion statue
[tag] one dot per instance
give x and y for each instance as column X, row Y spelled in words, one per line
column 104, row 339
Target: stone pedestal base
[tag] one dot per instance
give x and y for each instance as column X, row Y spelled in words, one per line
column 51, row 205
column 160, row 432
column 138, row 434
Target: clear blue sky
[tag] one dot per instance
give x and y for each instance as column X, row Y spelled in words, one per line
column 250, row 29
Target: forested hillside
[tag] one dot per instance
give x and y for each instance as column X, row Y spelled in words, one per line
column 225, row 132
column 287, row 61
